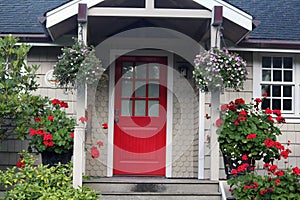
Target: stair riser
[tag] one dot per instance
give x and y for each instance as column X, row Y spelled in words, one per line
column 104, row 197
column 159, row 188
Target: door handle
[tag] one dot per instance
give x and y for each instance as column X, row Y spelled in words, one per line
column 116, row 120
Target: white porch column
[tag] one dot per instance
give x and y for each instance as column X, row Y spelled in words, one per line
column 215, row 99
column 81, row 105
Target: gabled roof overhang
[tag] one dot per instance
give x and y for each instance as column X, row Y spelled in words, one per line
column 236, row 23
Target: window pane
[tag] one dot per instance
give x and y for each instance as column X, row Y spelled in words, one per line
column 265, row 104
column 126, row 88
column 140, row 70
column 287, row 104
column 127, row 70
column 288, row 63
column 154, row 71
column 153, row 108
column 140, row 89
column 266, row 75
column 266, row 62
column 277, row 62
column 276, row 91
column 153, row 89
column 126, row 108
column 140, row 108
column 277, row 75
column 276, row 104
column 288, row 76
column 287, row 91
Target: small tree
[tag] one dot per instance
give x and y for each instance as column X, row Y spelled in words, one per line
column 17, row 81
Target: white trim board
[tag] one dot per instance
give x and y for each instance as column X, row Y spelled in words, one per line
column 230, row 12
column 169, row 130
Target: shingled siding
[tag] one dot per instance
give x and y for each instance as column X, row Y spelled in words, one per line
column 45, row 57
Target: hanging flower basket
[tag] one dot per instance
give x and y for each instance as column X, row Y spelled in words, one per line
column 78, row 64
column 219, row 69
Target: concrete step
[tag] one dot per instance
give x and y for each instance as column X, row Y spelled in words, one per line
column 153, row 188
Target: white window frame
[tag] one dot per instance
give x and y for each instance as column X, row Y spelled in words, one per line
column 291, row 117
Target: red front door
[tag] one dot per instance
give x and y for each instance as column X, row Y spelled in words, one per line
column 140, row 116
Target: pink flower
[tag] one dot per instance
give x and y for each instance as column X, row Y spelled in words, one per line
column 224, row 107
column 100, row 143
column 82, row 119
column 219, row 122
column 95, row 152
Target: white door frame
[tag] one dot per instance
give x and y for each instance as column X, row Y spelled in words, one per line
column 113, row 55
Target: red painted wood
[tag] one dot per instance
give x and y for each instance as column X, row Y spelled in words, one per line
column 140, row 141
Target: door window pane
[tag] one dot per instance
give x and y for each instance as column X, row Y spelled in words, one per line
column 126, row 108
column 126, row 88
column 141, row 70
column 140, row 108
column 153, row 108
column 154, row 71
column 127, row 70
column 153, row 89
column 140, row 89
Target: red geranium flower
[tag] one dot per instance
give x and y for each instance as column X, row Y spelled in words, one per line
column 48, row 136
column 296, row 170
column 265, row 94
column 224, row 107
column 55, row 102
column 104, row 126
column 269, row 143
column 279, row 173
column 64, row 104
column 100, row 143
column 268, row 111
column 72, row 135
column 277, row 112
column 270, row 118
column 243, row 113
column 21, row 162
column 38, row 119
column 244, row 157
column 280, row 119
column 258, row 100
column 239, row 101
column 251, row 136
column 50, row 118
column 234, row 171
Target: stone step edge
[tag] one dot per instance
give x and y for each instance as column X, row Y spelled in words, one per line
column 160, row 194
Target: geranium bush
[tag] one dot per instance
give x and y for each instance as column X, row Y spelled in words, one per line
column 53, row 130
column 275, row 183
column 218, row 68
column 247, row 131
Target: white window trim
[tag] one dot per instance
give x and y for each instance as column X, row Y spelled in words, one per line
column 257, row 80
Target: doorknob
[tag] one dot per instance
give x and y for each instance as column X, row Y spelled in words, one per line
column 116, row 120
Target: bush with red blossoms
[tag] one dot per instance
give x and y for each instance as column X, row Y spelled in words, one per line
column 274, row 184
column 247, row 130
column 53, row 130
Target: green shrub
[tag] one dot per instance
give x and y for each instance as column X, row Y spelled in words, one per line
column 42, row 182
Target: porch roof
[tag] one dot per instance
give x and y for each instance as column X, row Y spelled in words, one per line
column 191, row 17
